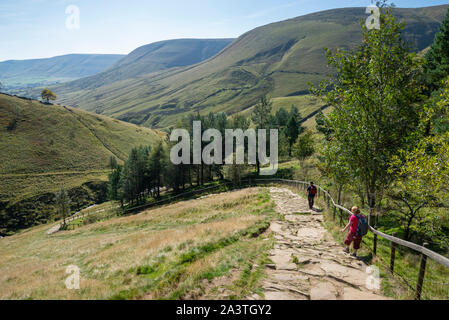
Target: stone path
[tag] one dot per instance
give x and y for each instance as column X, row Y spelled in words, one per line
column 308, row 263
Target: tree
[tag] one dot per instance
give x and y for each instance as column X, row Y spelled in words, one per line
column 373, row 92
column 294, row 112
column 115, row 183
column 321, row 126
column 133, row 175
column 235, row 172
column 281, row 117
column 408, row 206
column 112, row 162
column 62, row 201
column 262, row 119
column 156, row 167
column 47, row 94
column 291, row 131
column 436, row 68
column 425, row 169
column 334, row 166
column 304, row 147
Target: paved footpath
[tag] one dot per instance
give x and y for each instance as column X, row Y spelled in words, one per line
column 308, row 263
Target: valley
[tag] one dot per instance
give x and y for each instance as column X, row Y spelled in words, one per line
column 92, row 186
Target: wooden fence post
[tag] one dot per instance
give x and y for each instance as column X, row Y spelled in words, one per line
column 335, row 211
column 375, row 243
column 393, row 255
column 422, row 271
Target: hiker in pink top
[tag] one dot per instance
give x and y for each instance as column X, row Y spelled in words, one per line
column 352, row 236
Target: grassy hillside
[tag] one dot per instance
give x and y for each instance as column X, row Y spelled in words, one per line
column 279, row 59
column 50, row 147
column 23, row 73
column 208, row 247
column 151, row 58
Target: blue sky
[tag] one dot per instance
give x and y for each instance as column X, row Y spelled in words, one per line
column 37, row 28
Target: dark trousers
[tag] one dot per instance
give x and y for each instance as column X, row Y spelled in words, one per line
column 311, row 201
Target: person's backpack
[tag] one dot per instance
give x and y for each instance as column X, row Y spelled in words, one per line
column 313, row 190
column 362, row 226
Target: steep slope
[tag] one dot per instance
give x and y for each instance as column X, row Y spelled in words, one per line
column 22, row 73
column 279, row 59
column 46, row 147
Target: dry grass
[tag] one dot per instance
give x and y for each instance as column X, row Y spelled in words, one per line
column 32, row 264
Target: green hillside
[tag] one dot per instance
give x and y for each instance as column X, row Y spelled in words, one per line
column 46, row 147
column 22, row 73
column 151, row 58
column 279, row 59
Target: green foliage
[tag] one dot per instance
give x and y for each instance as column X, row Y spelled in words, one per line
column 304, row 147
column 47, row 94
column 12, row 125
column 114, row 183
column 424, row 171
column 321, row 127
column 373, row 92
column 436, row 68
column 112, row 162
column 292, row 131
column 261, row 115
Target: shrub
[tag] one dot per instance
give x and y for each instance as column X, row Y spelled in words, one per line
column 12, row 125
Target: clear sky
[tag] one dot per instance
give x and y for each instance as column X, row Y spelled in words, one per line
column 37, row 28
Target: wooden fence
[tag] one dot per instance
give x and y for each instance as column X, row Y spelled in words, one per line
column 394, row 242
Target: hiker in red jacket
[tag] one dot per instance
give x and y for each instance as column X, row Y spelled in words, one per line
column 353, row 236
column 311, row 193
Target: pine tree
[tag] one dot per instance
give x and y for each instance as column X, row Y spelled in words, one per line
column 291, row 132
column 115, row 183
column 156, row 165
column 112, row 162
column 437, row 67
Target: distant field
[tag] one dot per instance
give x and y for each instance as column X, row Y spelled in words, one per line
column 204, row 248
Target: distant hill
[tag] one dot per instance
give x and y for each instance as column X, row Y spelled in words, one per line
column 23, row 73
column 151, row 58
column 46, row 147
column 278, row 59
